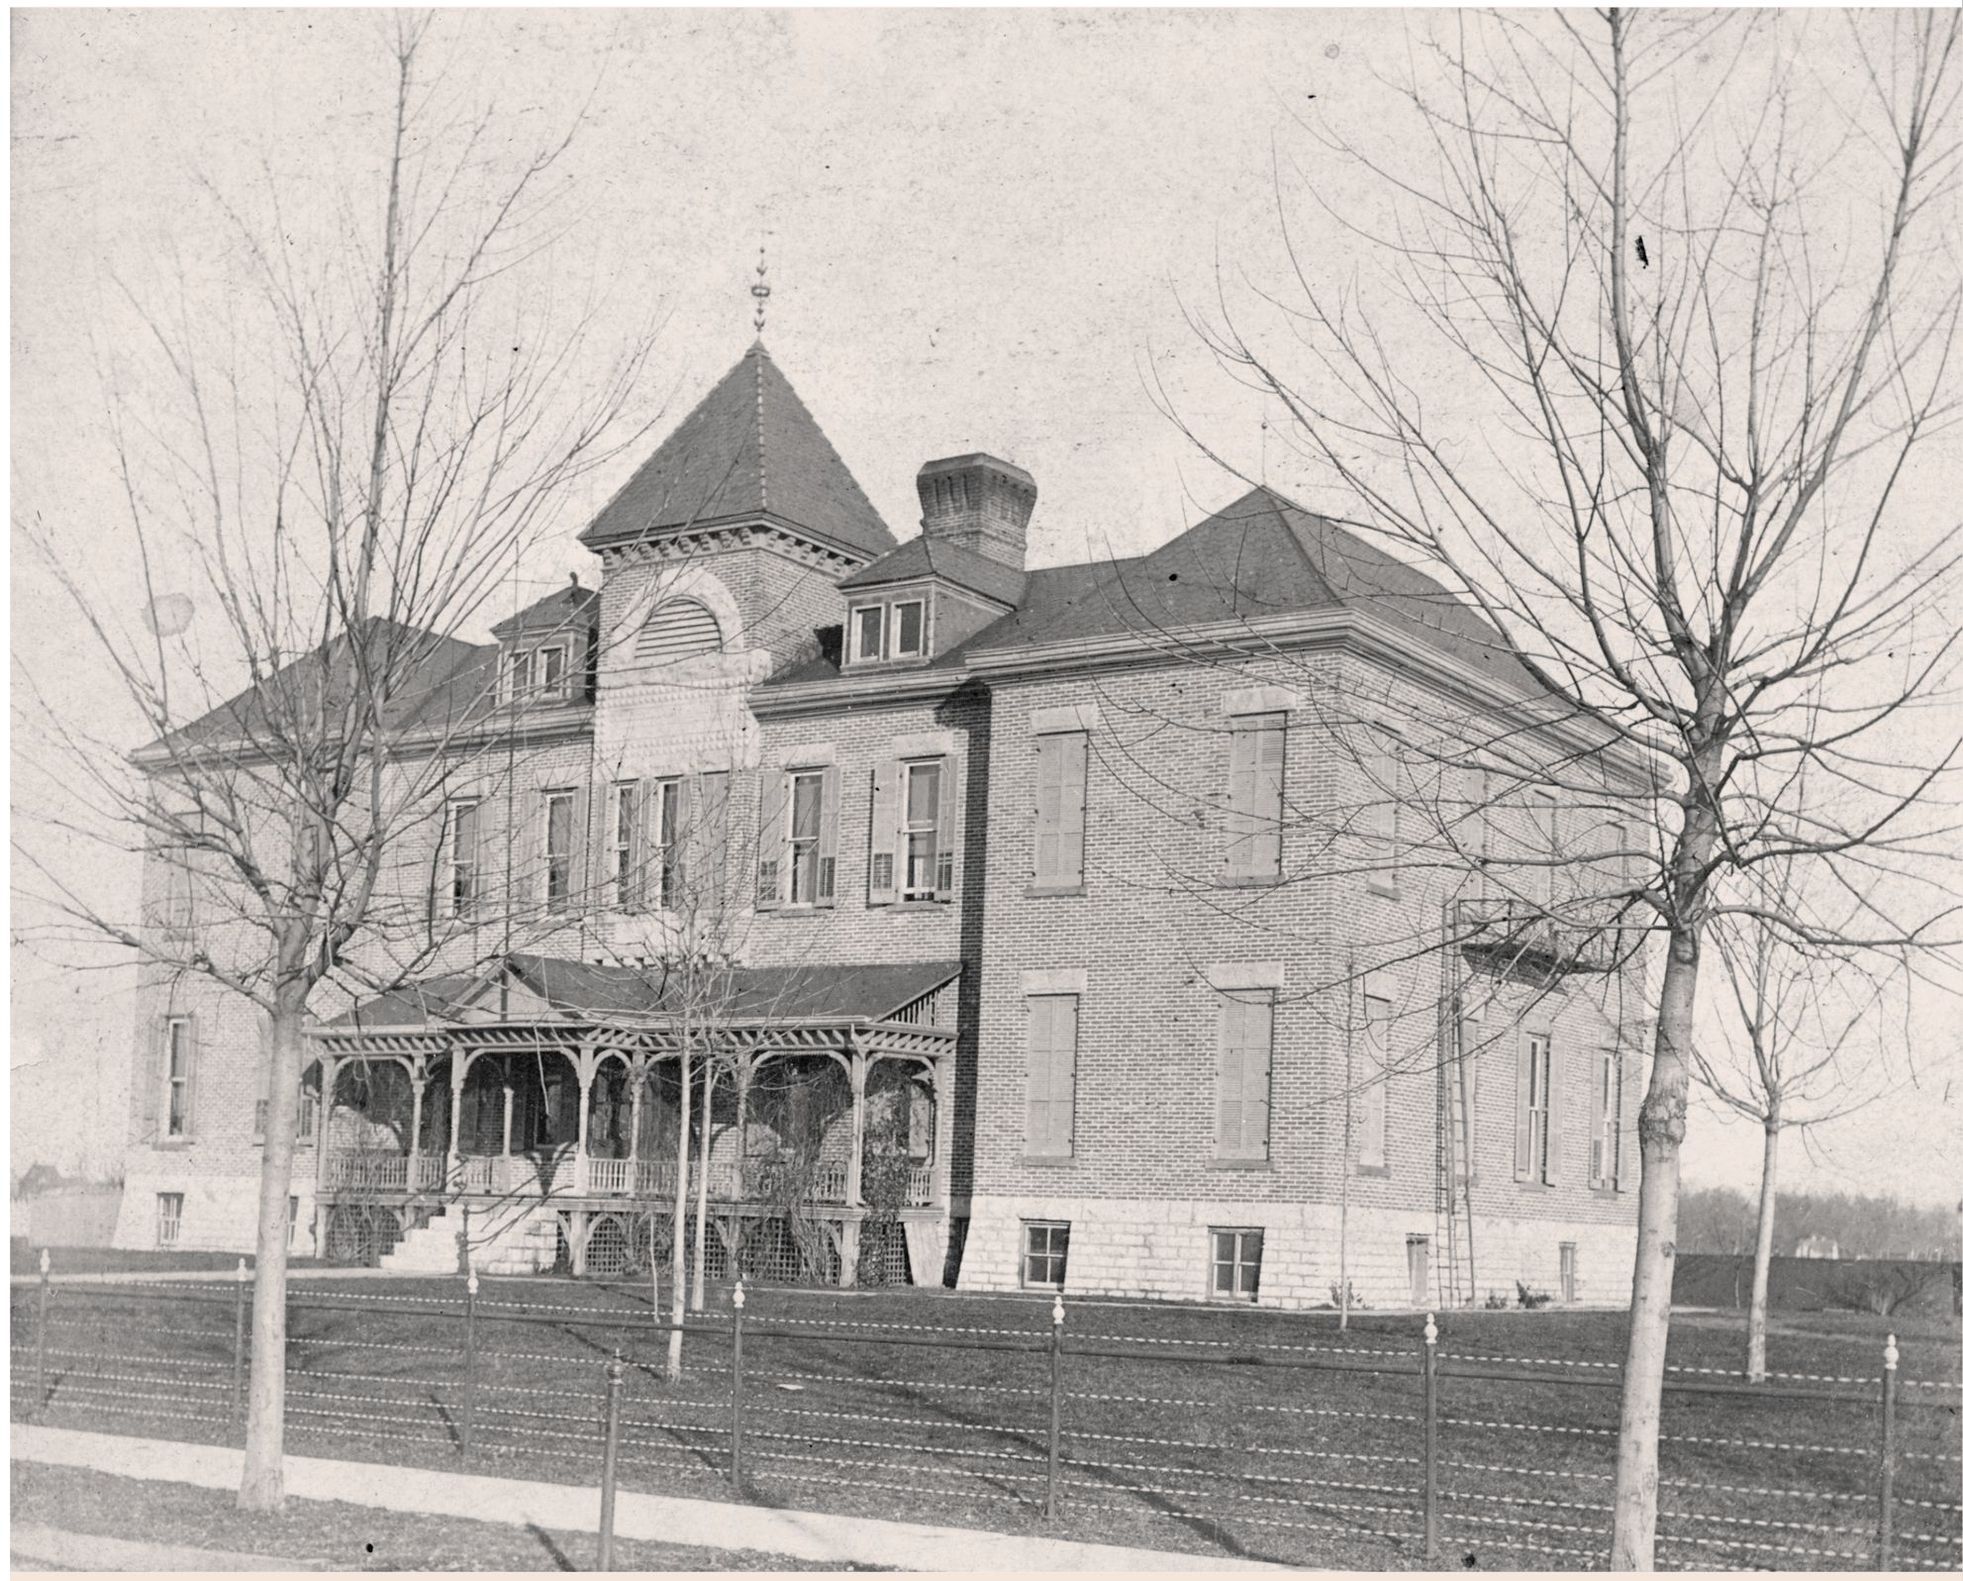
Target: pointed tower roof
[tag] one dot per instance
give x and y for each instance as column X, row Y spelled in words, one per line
column 751, row 449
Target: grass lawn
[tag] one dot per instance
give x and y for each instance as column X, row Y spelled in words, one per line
column 1215, row 1440
column 327, row 1535
column 24, row 1259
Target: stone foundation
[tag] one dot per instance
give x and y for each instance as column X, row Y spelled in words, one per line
column 1162, row 1251
column 221, row 1212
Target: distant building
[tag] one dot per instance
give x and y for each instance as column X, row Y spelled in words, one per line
column 1817, row 1246
column 979, row 1023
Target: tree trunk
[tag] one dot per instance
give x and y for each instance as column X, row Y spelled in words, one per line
column 263, row 1484
column 1660, row 1129
column 702, row 1181
column 1762, row 1251
column 678, row 1274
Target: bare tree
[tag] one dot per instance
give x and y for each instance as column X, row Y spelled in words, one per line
column 343, row 460
column 1657, row 327
column 1799, row 1041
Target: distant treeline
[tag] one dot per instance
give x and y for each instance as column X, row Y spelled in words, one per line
column 1721, row 1219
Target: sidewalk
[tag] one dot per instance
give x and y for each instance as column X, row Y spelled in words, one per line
column 32, row 1545
column 700, row 1523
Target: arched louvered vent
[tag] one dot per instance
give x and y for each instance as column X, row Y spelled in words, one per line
column 679, row 629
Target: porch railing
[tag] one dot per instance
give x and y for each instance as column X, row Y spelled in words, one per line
column 352, row 1169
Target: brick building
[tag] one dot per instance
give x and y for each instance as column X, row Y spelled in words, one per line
column 1144, row 927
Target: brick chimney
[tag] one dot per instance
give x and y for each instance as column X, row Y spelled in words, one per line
column 977, row 502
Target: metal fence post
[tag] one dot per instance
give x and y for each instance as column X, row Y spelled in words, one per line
column 469, row 1359
column 736, row 1386
column 1056, row 1404
column 1890, row 1358
column 238, row 1341
column 1431, row 1437
column 609, row 1459
column 41, row 1339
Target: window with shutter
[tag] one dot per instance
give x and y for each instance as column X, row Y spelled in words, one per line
column 1052, row 1075
column 1060, row 776
column 1373, row 1098
column 559, row 850
column 807, row 802
column 1381, row 819
column 1532, row 1146
column 948, row 828
column 1605, row 1140
column 627, row 862
column 1257, row 746
column 665, row 864
column 709, row 837
column 882, row 888
column 772, row 812
column 1246, row 1054
column 826, row 892
column 461, row 884
column 179, row 1052
column 921, row 815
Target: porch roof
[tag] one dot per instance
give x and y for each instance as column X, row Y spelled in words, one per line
column 580, row 991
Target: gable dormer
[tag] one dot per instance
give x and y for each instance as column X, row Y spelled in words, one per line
column 547, row 653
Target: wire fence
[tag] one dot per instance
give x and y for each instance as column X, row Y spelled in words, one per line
column 1397, row 1449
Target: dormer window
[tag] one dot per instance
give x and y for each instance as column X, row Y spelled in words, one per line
column 889, row 631
column 536, row 672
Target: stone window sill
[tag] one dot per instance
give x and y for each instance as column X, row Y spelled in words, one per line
column 1248, row 881
column 1374, row 1171
column 1052, row 891
column 1260, row 1165
column 1049, row 1160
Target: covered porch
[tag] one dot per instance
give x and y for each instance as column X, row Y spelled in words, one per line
column 805, row 1095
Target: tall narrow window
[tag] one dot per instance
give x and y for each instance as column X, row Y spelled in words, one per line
column 558, row 850
column 807, row 822
column 177, row 1077
column 668, row 863
column 461, row 849
column 1533, row 1127
column 517, row 675
column 1256, row 754
column 1247, row 1030
column 1381, row 819
column 1052, row 1075
column 1605, row 1146
column 1462, row 1086
column 923, row 807
column 307, row 1115
column 1060, row 764
column 869, row 628
column 1373, row 1085
column 1544, row 850
column 909, row 629
column 170, row 1217
column 627, row 864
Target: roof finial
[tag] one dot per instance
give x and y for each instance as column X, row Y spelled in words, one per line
column 761, row 290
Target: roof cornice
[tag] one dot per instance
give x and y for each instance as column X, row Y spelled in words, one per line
column 793, row 698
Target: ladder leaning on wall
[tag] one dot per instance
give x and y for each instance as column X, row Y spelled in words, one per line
column 1458, row 1283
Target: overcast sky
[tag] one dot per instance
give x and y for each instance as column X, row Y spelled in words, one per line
column 985, row 231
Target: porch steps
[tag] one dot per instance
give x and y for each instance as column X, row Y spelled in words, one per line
column 429, row 1249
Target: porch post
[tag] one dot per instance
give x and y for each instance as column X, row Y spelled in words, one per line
column 453, row 1161
column 419, row 1080
column 943, row 1176
column 637, row 1075
column 745, row 1069
column 504, row 1073
column 330, row 1071
column 855, row 1165
column 583, row 1068
column 848, row 1261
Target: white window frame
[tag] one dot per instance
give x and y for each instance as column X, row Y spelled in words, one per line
column 860, row 653
column 895, row 622
column 1607, row 1162
column 803, row 852
column 1540, row 1069
column 912, row 828
column 179, row 1037
column 664, row 859
column 563, row 902
column 1049, row 1229
column 544, row 682
column 629, row 876
column 170, row 1219
column 1227, row 1249
column 461, row 866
